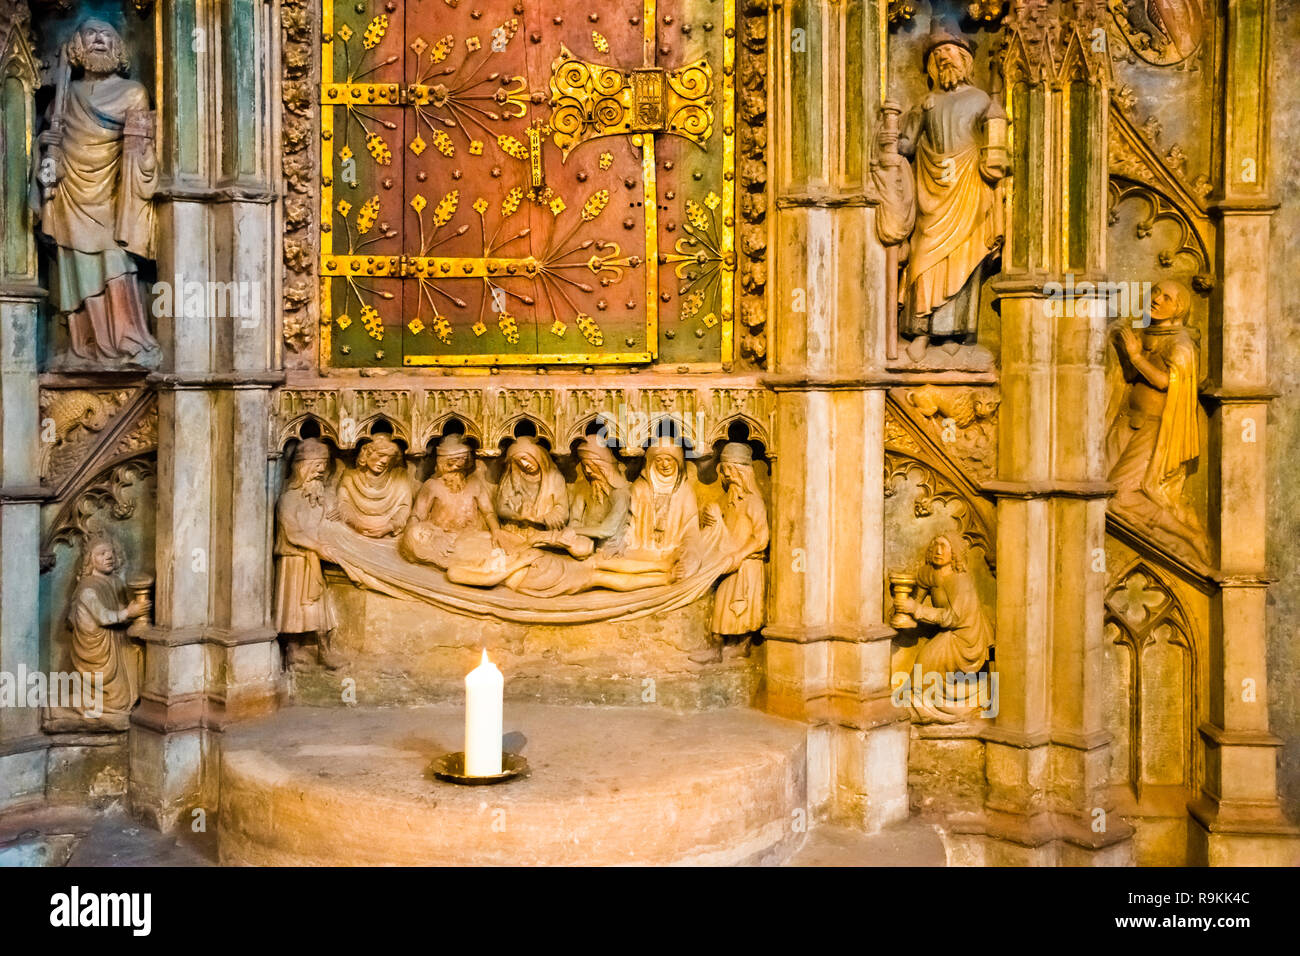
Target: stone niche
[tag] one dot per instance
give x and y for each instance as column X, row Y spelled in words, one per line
column 930, row 490
column 1156, row 696
column 405, row 645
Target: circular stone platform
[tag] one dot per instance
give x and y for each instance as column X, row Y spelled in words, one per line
column 608, row 786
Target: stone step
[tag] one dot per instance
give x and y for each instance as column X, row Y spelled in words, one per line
column 608, row 786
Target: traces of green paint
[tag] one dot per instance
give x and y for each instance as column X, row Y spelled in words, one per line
column 1246, row 158
column 17, row 241
column 1080, row 170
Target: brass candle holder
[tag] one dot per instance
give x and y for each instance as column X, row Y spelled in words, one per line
column 901, row 585
column 451, row 768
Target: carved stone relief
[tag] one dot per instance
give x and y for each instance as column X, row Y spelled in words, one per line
column 942, row 601
column 963, row 419
column 1160, row 32
column 915, row 463
column 528, row 547
column 70, row 424
column 106, row 663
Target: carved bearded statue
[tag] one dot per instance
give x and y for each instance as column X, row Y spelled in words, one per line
column 954, row 139
column 738, row 606
column 599, row 510
column 302, row 608
column 453, row 511
column 92, row 193
column 374, row 498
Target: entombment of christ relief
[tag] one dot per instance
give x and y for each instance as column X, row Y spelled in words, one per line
column 473, row 294
column 92, row 191
column 529, row 549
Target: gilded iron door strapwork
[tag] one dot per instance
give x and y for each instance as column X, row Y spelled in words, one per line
column 523, row 183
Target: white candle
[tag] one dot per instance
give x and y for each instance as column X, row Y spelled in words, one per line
column 483, row 691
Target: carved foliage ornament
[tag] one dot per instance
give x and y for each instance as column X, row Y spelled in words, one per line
column 298, row 173
column 70, row 422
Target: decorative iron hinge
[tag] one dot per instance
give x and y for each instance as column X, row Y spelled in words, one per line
column 590, row 100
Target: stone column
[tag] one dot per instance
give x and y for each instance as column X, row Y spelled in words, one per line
column 1237, row 819
column 827, row 647
column 1048, row 751
column 211, row 656
column 245, row 240
column 22, row 746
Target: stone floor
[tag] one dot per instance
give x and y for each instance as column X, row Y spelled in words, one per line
column 71, row 836
column 608, row 786
column 912, row 843
column 65, row 836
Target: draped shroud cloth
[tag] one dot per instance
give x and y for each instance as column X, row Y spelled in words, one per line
column 378, row 565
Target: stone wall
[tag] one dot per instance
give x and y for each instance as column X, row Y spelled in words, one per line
column 1284, row 419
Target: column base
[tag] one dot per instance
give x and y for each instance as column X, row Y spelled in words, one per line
column 1045, row 839
column 836, row 678
column 870, row 786
column 167, row 775
column 1223, row 834
column 197, row 682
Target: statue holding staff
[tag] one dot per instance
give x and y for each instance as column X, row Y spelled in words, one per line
column 93, row 188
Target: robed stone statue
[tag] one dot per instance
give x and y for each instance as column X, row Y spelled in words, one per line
column 93, row 186
column 101, row 654
column 956, row 140
column 1154, row 439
